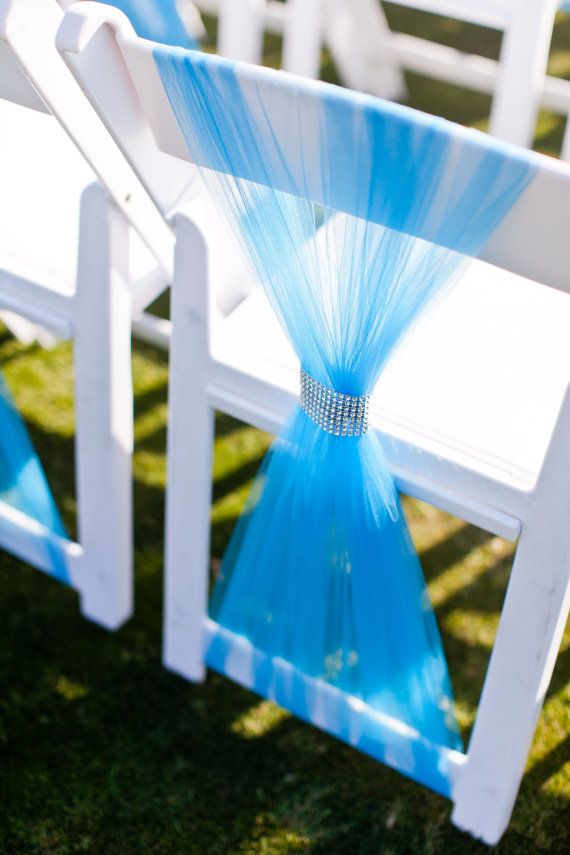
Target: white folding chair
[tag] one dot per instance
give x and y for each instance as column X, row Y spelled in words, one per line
column 304, row 26
column 470, row 419
column 517, row 81
column 372, row 58
column 82, row 260
column 65, row 264
column 565, row 151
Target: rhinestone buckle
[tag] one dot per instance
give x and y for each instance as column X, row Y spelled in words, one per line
column 341, row 415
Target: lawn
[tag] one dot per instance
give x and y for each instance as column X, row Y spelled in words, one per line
column 103, row 751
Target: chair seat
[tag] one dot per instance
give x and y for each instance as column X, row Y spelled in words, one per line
column 42, row 176
column 436, row 391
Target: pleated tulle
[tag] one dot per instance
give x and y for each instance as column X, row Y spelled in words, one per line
column 354, row 216
column 23, row 486
column 334, row 585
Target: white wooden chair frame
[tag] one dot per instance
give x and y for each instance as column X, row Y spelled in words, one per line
column 532, row 242
column 371, row 57
column 517, row 81
column 538, row 598
column 97, row 316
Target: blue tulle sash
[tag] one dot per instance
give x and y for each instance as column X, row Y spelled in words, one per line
column 353, row 215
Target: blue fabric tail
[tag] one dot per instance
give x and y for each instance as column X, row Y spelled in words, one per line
column 23, row 486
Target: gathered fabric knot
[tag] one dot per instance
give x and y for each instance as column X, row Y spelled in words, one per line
column 334, row 412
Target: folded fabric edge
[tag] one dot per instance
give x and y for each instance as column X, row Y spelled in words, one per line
column 34, row 543
column 332, row 710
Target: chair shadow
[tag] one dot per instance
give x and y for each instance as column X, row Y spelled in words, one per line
column 451, row 549
column 182, row 747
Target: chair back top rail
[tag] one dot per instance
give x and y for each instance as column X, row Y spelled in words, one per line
column 494, row 14
column 531, row 241
column 489, row 13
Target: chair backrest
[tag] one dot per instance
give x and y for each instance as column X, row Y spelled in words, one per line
column 531, row 241
column 33, row 74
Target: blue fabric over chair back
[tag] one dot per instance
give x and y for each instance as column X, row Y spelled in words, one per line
column 354, row 215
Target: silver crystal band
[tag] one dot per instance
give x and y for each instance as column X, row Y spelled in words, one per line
column 341, row 415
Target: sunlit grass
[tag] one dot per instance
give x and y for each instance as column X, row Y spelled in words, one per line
column 259, row 720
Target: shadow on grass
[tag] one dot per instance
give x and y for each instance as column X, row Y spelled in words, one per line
column 103, row 750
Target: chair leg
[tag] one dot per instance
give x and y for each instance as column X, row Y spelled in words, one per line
column 359, row 38
column 530, row 631
column 565, row 151
column 104, row 412
column 240, row 29
column 522, row 67
column 190, row 443
column 302, row 37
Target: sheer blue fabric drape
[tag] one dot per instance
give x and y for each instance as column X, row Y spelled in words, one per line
column 23, row 486
column 354, row 214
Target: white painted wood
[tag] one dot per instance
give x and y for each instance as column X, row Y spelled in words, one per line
column 359, row 38
column 304, row 25
column 26, row 331
column 517, row 81
column 302, row 37
column 240, row 29
column 473, row 72
column 370, row 57
column 98, row 66
column 191, row 19
column 565, row 153
column 190, row 442
column 42, row 176
column 78, row 281
column 104, row 412
column 37, row 301
column 486, row 13
column 259, row 386
column 13, row 84
column 263, row 395
column 153, row 330
column 97, row 314
column 529, row 635
column 29, row 29
column 521, row 71
column 479, row 423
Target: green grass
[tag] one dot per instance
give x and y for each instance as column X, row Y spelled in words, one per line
column 103, row 751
